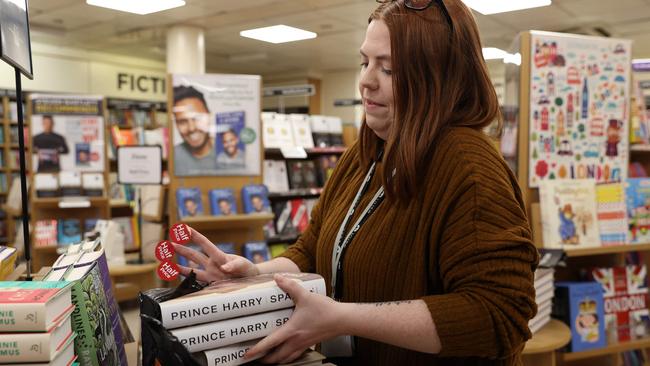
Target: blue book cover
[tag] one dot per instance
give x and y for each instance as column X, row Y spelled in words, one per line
column 584, row 312
column 188, row 262
column 188, row 202
column 257, row 252
column 69, row 231
column 222, row 202
column 228, row 248
column 637, row 195
column 230, row 149
column 255, row 198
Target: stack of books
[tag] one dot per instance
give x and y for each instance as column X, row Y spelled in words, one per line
column 35, row 323
column 544, row 291
column 219, row 323
column 8, row 257
column 96, row 317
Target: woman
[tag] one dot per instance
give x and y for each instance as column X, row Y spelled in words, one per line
column 440, row 271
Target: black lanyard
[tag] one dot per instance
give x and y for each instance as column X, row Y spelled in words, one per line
column 341, row 244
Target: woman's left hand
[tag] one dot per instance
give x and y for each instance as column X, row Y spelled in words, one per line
column 314, row 319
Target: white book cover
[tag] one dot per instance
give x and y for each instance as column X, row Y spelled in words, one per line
column 568, row 209
column 230, row 331
column 301, row 129
column 277, row 132
column 234, row 298
column 232, row 355
column 275, row 175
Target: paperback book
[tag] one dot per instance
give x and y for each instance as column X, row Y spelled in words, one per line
column 257, row 252
column 580, row 306
column 568, row 209
column 612, row 215
column 625, row 293
column 637, row 193
column 33, row 306
column 255, row 198
column 222, row 202
column 188, row 202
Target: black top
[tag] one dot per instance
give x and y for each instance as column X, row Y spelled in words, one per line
column 49, row 145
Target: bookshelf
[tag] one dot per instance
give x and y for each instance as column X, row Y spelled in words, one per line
column 49, row 208
column 542, row 348
column 8, row 168
column 610, row 349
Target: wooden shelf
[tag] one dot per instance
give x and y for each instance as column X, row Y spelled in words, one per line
column 311, row 152
column 132, row 269
column 46, row 249
column 279, row 239
column 608, row 250
column 609, row 349
column 227, row 222
column 296, row 193
column 552, row 336
column 53, row 202
column 10, row 211
column 640, row 148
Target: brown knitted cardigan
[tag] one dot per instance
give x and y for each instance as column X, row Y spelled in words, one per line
column 463, row 245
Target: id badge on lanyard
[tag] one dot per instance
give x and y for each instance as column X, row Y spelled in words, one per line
column 343, row 346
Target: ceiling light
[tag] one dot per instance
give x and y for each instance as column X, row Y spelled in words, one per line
column 278, row 34
column 502, row 6
column 137, row 6
column 492, row 53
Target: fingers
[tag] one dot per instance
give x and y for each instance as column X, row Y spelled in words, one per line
column 201, row 275
column 291, row 287
column 268, row 343
column 191, row 254
column 285, row 353
column 236, row 266
column 211, row 250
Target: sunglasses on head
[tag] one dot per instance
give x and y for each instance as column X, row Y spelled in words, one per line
column 419, row 5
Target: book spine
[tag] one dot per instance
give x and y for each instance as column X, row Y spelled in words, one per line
column 26, row 347
column 26, row 317
column 226, row 332
column 84, row 342
column 207, row 308
column 112, row 308
column 228, row 356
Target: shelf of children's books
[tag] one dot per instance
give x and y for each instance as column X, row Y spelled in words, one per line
column 640, row 148
column 281, row 239
column 296, row 193
column 552, row 336
column 311, row 152
column 69, row 202
column 613, row 249
column 609, row 349
column 241, row 221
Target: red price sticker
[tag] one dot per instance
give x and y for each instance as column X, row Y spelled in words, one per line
column 168, row 271
column 164, row 250
column 180, row 233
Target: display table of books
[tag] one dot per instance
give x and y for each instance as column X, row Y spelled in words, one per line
column 540, row 350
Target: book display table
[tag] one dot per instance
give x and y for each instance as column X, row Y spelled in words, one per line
column 541, row 349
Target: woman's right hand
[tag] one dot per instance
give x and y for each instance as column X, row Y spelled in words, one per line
column 216, row 264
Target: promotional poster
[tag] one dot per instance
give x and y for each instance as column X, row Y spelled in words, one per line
column 579, row 101
column 67, row 133
column 216, row 125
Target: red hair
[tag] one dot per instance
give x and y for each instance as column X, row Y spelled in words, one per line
column 440, row 80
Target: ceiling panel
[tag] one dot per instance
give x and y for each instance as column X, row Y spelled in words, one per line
column 340, row 25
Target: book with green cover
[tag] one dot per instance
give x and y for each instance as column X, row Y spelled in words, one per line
column 95, row 343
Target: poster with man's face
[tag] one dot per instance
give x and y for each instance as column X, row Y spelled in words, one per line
column 73, row 141
column 216, row 125
column 14, row 35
